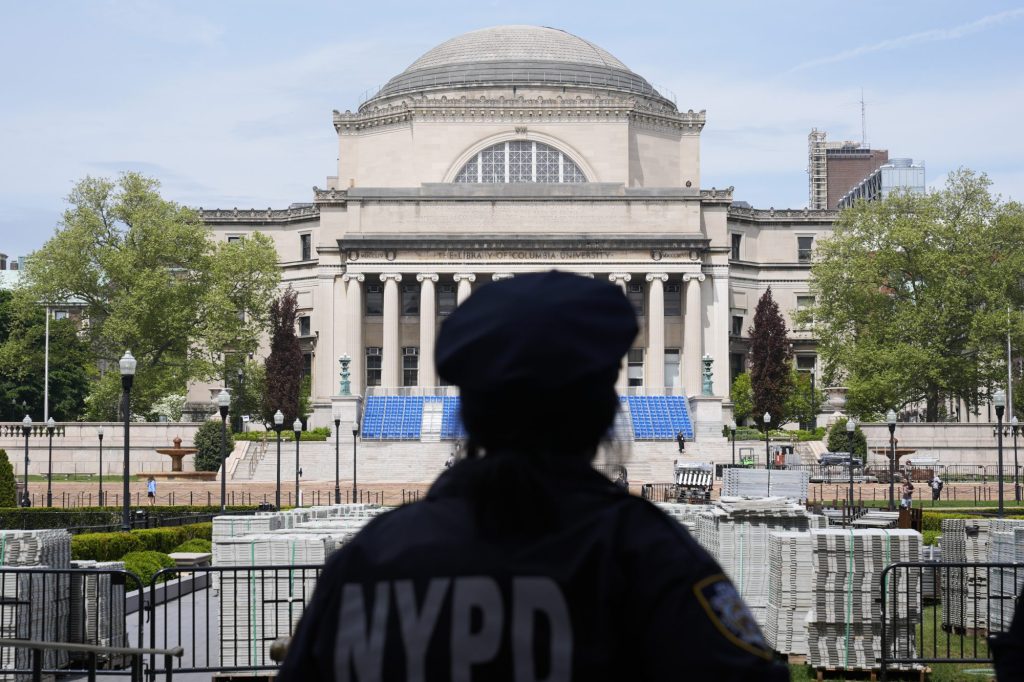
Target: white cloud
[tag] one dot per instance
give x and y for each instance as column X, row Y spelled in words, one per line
column 912, row 39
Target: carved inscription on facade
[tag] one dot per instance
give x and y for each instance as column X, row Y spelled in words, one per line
column 539, row 254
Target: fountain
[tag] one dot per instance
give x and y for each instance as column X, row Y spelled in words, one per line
column 177, row 453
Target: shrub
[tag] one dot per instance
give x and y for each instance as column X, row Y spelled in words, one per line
column 114, row 546
column 838, row 440
column 8, row 489
column 194, row 545
column 931, row 537
column 146, row 564
column 83, row 517
column 207, row 442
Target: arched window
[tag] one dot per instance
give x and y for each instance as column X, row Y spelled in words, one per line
column 520, row 161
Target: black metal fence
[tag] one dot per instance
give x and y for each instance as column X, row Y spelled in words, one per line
column 959, row 606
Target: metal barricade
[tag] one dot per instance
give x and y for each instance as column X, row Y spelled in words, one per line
column 92, row 655
column 226, row 618
column 961, row 605
column 91, row 607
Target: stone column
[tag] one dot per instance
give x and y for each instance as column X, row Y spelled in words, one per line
column 623, row 381
column 391, row 353
column 692, row 335
column 656, row 333
column 719, row 350
column 324, row 361
column 465, row 283
column 354, row 347
column 339, row 302
column 428, row 330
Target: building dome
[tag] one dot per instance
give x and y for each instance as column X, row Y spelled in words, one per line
column 510, row 56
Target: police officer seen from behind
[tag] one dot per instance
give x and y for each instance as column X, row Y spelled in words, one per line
column 523, row 563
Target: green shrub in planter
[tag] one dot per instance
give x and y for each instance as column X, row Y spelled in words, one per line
column 146, row 564
column 104, row 546
column 195, row 545
column 8, row 489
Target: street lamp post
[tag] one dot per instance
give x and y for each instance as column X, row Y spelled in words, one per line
column 223, row 403
column 26, row 429
column 99, row 433
column 732, row 431
column 1015, row 429
column 127, row 366
column 999, row 400
column 337, row 457
column 355, row 462
column 767, row 418
column 278, row 425
column 890, row 419
column 50, row 427
column 851, row 426
column 297, row 428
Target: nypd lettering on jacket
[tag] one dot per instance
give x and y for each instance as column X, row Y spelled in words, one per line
column 475, row 619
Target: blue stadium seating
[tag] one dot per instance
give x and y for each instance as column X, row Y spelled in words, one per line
column 654, row 417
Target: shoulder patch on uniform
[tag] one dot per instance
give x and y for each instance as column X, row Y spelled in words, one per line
column 730, row 614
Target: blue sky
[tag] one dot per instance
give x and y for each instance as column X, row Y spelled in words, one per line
column 229, row 103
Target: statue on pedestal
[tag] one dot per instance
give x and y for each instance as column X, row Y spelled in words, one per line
column 346, row 385
column 706, row 373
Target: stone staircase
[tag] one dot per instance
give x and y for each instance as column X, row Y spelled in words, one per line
column 430, row 428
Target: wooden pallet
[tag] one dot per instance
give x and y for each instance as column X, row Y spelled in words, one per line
column 916, row 674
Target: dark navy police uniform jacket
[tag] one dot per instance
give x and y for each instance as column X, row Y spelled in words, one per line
column 619, row 592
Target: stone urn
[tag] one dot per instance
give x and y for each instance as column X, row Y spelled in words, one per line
column 836, row 398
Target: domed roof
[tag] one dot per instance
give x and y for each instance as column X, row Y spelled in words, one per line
column 517, row 56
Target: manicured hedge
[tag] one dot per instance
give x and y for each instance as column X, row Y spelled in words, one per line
column 318, row 434
column 113, row 546
column 195, row 545
column 77, row 517
column 146, row 564
column 933, row 520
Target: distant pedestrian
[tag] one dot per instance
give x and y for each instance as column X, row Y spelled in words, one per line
column 151, row 490
column 681, row 440
column 450, row 462
column 936, row 485
column 621, row 481
column 908, row 493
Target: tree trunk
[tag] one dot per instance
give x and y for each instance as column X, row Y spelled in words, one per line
column 932, row 406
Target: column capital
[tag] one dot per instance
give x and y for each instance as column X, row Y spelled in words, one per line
column 385, row 276
column 699, row 276
column 498, row 276
column 357, row 276
column 427, row 275
column 617, row 276
column 651, row 276
column 459, row 277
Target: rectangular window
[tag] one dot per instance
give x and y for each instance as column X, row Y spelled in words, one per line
column 374, row 300
column 446, row 299
column 736, row 366
column 306, row 243
column 672, row 369
column 803, row 302
column 410, row 365
column 805, row 363
column 804, row 245
column 307, row 365
column 635, row 367
column 234, row 238
column 304, row 326
column 673, row 299
column 635, row 294
column 736, row 239
column 410, row 299
column 737, row 325
column 374, row 363
column 60, row 314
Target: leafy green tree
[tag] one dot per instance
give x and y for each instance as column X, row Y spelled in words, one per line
column 22, row 362
column 153, row 281
column 207, row 442
column 915, row 296
column 742, row 398
column 8, row 489
column 805, row 401
column 284, row 365
column 247, row 381
column 770, row 374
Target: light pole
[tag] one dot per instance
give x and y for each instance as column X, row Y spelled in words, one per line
column 99, row 433
column 1015, row 429
column 355, row 462
column 223, row 403
column 890, row 419
column 851, row 426
column 999, row 400
column 297, row 427
column 50, row 426
column 278, row 425
column 127, row 366
column 26, row 428
column 241, row 396
column 337, row 457
column 767, row 418
column 732, row 430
